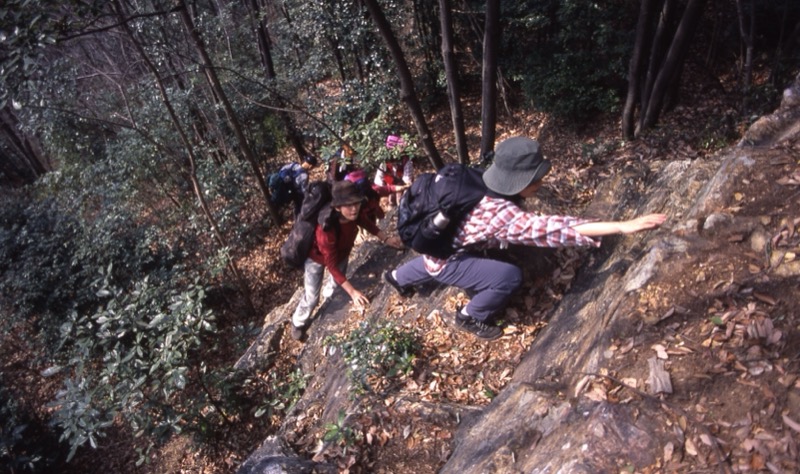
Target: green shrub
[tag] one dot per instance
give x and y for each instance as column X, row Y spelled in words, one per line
column 120, row 319
column 569, row 58
column 20, row 449
column 37, row 244
column 51, row 259
column 285, row 391
column 384, row 352
column 340, row 434
column 130, row 359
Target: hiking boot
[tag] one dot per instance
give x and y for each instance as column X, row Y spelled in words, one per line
column 298, row 333
column 404, row 291
column 480, row 329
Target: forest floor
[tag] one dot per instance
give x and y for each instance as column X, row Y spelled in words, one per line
column 726, row 330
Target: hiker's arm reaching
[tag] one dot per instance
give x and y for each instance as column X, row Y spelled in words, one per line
column 598, row 229
column 390, row 240
column 358, row 298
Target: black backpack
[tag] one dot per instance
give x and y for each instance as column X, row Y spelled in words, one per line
column 316, row 199
column 453, row 191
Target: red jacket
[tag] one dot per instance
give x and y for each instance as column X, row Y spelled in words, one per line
column 333, row 245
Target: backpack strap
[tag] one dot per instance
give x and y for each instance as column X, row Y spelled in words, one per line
column 328, row 218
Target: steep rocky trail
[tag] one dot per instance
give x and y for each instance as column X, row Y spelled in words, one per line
column 668, row 351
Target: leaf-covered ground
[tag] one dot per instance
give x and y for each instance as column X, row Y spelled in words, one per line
column 724, row 329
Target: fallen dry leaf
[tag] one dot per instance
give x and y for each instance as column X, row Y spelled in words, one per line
column 765, row 298
column 749, row 444
column 691, row 449
column 598, row 393
column 791, row 180
column 669, row 449
column 658, row 380
column 661, row 351
column 791, row 423
column 582, row 384
column 679, row 350
column 760, row 329
column 627, row 347
column 757, row 462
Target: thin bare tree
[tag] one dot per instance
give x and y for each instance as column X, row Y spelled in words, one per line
column 23, row 160
column 265, row 50
column 491, row 38
column 233, row 119
column 407, row 91
column 664, row 46
column 451, row 73
column 188, row 147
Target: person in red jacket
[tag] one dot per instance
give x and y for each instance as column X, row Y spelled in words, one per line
column 333, row 242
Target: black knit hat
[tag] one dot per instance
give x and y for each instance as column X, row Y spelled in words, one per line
column 311, row 160
column 518, row 162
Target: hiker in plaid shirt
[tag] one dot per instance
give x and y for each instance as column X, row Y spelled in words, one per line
column 497, row 222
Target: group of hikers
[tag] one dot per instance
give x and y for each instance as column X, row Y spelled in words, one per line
column 392, row 177
column 495, row 221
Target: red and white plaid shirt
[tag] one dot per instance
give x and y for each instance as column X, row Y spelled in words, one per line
column 497, row 222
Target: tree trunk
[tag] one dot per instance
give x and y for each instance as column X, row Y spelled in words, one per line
column 425, row 34
column 773, row 74
column 407, row 91
column 675, row 57
column 451, row 73
column 641, row 46
column 664, row 32
column 262, row 36
column 264, row 48
column 204, row 129
column 233, row 120
column 24, row 161
column 747, row 38
column 491, row 38
column 337, row 56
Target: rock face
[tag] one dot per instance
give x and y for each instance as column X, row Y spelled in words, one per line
column 274, row 457
column 543, row 433
column 545, row 419
column 594, row 438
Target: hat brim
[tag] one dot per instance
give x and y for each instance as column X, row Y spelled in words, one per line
column 347, row 202
column 510, row 184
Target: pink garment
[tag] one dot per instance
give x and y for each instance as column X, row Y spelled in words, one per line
column 394, row 141
column 356, row 176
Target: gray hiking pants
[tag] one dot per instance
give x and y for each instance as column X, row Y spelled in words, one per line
column 491, row 281
column 312, row 283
